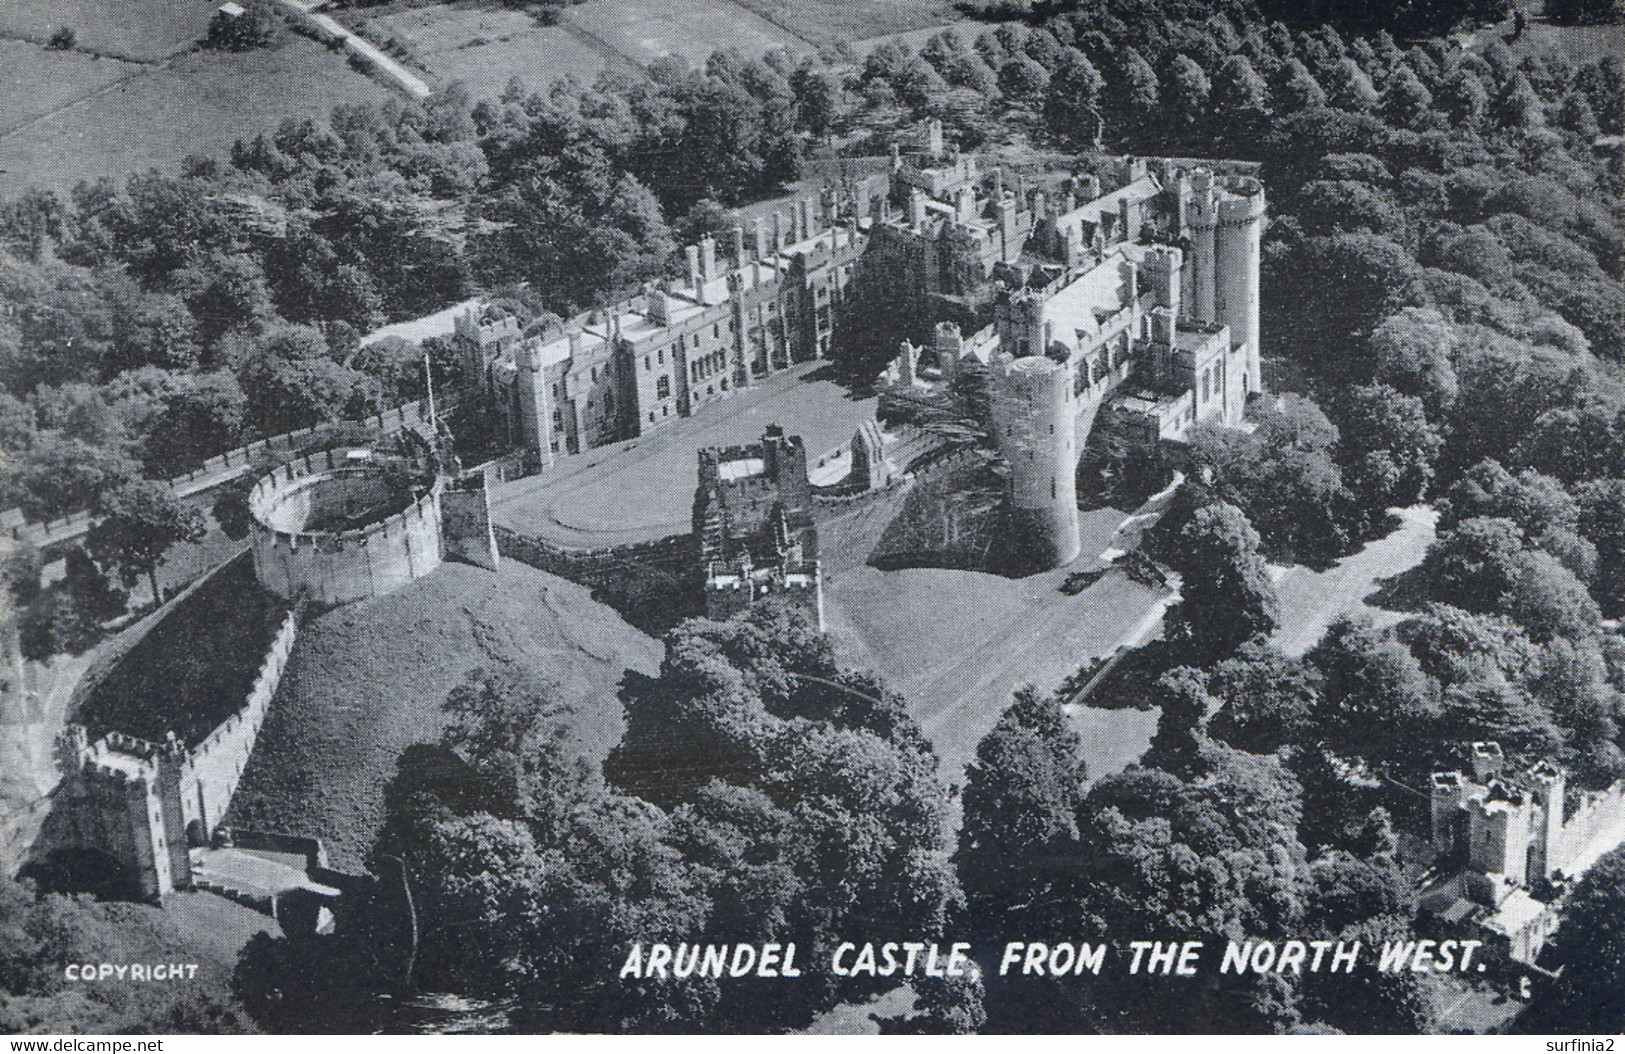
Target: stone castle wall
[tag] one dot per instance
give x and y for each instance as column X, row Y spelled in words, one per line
column 342, row 566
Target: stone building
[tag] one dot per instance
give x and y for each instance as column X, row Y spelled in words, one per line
column 754, row 524
column 1509, row 841
column 744, row 310
column 1136, row 309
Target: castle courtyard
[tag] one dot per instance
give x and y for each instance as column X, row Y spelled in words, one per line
column 643, row 489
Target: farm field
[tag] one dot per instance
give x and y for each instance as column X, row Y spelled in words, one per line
column 693, row 29
column 141, row 30
column 34, row 81
column 833, row 21
column 484, row 46
column 197, row 103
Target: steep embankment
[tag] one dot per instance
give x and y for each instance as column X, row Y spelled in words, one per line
column 367, row 680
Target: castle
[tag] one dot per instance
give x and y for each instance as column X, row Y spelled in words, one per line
column 1504, row 835
column 753, row 520
column 328, row 528
column 1137, row 307
column 765, row 304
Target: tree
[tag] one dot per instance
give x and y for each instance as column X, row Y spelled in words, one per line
column 1024, row 80
column 1074, row 97
column 1296, row 89
column 1406, row 101
column 1590, row 943
column 1018, row 843
column 1375, row 701
column 1266, row 699
column 1183, row 703
column 1412, row 353
column 1349, row 88
column 1239, row 92
column 1226, row 597
column 199, row 417
column 136, row 526
column 255, row 26
column 1185, row 92
column 1602, row 522
column 1387, row 447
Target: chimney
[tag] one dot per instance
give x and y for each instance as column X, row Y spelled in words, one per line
column 933, row 138
column 916, row 208
column 655, row 304
column 1089, row 187
column 575, row 345
column 779, row 232
column 738, row 237
column 693, row 253
column 708, row 258
column 806, row 218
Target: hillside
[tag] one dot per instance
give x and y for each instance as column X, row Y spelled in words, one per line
column 367, row 680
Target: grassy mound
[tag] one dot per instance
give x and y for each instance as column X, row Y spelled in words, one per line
column 367, row 680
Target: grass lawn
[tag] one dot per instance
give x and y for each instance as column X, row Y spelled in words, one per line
column 367, row 680
column 195, row 668
column 484, row 45
column 199, row 103
column 958, row 643
column 832, row 21
column 35, row 80
column 643, row 488
column 144, row 30
column 643, row 31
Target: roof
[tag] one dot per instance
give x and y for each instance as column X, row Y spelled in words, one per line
column 1515, row 914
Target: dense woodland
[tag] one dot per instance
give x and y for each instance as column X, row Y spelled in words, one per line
column 1443, row 282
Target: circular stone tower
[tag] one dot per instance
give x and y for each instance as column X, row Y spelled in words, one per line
column 1238, row 254
column 1035, row 417
column 338, row 526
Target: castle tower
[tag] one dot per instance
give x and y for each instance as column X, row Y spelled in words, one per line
column 1498, row 829
column 1549, row 853
column 1237, row 250
column 1449, row 791
column 1204, row 222
column 1163, row 266
column 1035, row 416
column 535, row 404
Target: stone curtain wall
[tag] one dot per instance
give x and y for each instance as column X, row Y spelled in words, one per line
column 223, row 467
column 654, row 585
column 212, row 770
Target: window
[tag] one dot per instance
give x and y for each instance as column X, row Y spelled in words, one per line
column 595, row 374
column 651, row 417
column 646, row 362
column 1052, row 485
column 660, row 354
column 716, row 330
column 663, row 387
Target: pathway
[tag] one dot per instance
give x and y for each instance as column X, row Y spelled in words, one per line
column 1312, row 600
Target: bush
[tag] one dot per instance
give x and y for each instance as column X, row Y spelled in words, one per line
column 63, row 39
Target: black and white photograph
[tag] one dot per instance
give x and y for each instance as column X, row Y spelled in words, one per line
column 1095, row 518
